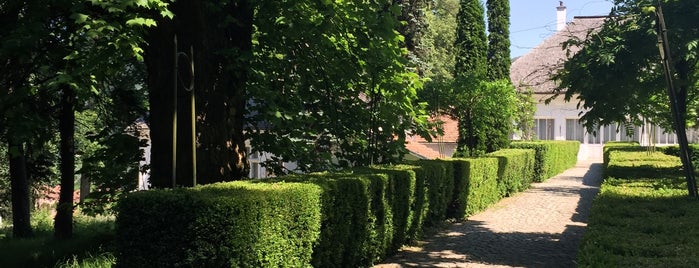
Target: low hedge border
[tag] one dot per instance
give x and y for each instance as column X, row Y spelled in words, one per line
column 351, row 219
column 515, row 170
column 237, row 224
column 475, row 186
column 552, row 157
column 642, row 216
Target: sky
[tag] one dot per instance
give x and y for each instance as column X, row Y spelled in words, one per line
column 531, row 21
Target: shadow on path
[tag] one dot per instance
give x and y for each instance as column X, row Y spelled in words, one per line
column 471, row 243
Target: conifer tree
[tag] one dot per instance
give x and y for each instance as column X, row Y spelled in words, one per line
column 469, row 69
column 498, row 39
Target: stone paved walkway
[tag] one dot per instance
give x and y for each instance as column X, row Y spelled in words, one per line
column 540, row 227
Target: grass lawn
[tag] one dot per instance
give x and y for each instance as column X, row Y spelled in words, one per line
column 90, row 247
column 642, row 219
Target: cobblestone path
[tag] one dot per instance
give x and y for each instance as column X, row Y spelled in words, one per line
column 540, row 227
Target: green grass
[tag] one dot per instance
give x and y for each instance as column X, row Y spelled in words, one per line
column 642, row 218
column 90, row 247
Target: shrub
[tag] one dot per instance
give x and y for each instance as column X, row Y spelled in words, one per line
column 693, row 153
column 237, row 224
column 407, row 215
column 475, row 186
column 438, row 177
column 641, row 218
column 515, row 170
column 356, row 226
column 639, row 162
column 552, row 157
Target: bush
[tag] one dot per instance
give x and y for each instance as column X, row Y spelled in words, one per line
column 552, row 157
column 642, row 216
column 438, row 176
column 515, row 170
column 639, row 162
column 475, row 186
column 693, row 153
column 356, row 227
column 408, row 216
column 237, row 224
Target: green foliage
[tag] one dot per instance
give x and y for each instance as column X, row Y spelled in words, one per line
column 92, row 244
column 498, row 39
column 438, row 177
column 486, row 113
column 551, row 157
column 330, row 86
column 357, row 219
column 475, row 186
column 693, row 152
column 624, row 55
column 237, row 224
column 636, row 161
column 641, row 219
column 515, row 170
column 524, row 114
column 5, row 197
column 439, row 58
column 471, row 43
column 401, row 195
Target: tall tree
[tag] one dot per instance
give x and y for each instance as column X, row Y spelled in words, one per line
column 498, row 39
column 330, row 88
column 412, row 28
column 220, row 34
column 469, row 69
column 439, row 46
column 624, row 55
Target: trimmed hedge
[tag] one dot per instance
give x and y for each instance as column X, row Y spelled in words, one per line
column 351, row 219
column 356, row 227
column 235, row 224
column 475, row 186
column 642, row 216
column 408, row 205
column 515, row 170
column 693, row 153
column 439, row 181
column 552, row 157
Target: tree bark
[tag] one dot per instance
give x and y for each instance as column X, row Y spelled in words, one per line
column 221, row 52
column 21, row 226
column 63, row 224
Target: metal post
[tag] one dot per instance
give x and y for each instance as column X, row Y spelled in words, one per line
column 174, row 122
column 193, row 118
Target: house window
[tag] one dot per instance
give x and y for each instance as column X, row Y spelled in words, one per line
column 610, row 132
column 544, row 129
column 575, row 131
column 661, row 137
column 630, row 133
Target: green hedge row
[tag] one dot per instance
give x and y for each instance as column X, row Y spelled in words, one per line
column 642, row 216
column 515, row 170
column 351, row 219
column 236, row 224
column 475, row 186
column 552, row 157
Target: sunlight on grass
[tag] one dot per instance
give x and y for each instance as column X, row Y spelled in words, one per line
column 90, row 247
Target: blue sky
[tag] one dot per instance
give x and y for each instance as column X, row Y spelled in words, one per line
column 531, row 21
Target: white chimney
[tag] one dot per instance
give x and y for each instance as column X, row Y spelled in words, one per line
column 560, row 16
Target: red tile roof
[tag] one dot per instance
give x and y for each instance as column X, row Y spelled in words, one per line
column 417, row 145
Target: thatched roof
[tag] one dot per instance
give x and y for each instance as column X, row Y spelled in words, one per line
column 534, row 69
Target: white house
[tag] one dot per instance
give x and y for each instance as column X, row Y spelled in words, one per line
column 559, row 120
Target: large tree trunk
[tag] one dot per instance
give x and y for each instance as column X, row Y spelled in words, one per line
column 227, row 49
column 63, row 225
column 221, row 50
column 21, row 226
